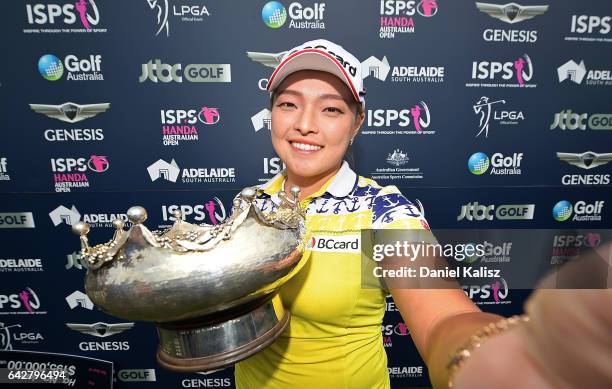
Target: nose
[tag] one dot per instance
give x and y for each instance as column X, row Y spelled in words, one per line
column 306, row 121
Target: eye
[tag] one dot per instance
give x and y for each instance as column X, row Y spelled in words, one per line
column 286, row 105
column 335, row 110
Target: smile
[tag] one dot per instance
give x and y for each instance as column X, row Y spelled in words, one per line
column 305, row 147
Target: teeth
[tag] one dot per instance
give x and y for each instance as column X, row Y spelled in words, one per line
column 305, row 147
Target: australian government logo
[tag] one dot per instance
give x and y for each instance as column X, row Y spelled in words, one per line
column 399, row 168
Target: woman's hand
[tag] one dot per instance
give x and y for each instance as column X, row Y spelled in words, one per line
column 566, row 344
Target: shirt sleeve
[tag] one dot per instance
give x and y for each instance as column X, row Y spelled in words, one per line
column 391, row 210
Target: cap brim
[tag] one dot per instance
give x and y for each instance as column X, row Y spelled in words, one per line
column 310, row 59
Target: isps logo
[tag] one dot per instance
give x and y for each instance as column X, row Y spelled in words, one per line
column 331, row 244
column 179, row 125
column 515, row 73
column 69, row 173
column 411, row 120
column 157, row 71
column 24, row 302
column 482, row 294
column 83, row 14
column 391, row 330
column 396, row 16
column 211, row 212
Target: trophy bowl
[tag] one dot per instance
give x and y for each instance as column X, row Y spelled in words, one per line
column 211, row 290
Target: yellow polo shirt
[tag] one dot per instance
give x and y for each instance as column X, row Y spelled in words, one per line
column 334, row 338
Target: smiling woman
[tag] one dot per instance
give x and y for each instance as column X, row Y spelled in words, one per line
column 334, row 337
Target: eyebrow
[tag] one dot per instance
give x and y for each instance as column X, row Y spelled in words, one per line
column 333, row 96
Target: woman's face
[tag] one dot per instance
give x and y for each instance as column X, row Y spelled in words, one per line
column 313, row 121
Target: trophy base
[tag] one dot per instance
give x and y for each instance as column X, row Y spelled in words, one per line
column 207, row 344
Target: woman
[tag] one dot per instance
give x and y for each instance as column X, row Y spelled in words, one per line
column 334, row 337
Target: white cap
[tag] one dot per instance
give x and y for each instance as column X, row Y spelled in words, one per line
column 323, row 55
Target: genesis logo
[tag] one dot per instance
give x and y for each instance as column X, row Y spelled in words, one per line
column 512, row 12
column 99, row 329
column 586, row 160
column 70, row 112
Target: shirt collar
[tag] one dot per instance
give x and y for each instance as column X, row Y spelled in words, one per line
column 339, row 185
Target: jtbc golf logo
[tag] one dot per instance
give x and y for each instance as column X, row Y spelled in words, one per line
column 21, row 303
column 568, row 120
column 511, row 13
column 170, row 171
column 484, row 109
column 330, row 244
column 576, row 73
column 478, row 212
column 211, row 212
column 596, row 28
column 17, row 220
column 82, row 13
column 396, row 16
column 274, row 15
column 4, row 176
column 415, row 120
column 85, row 69
column 69, row 173
column 587, row 160
column 157, row 71
column 515, row 73
column 136, row 375
column 581, row 211
column 501, row 165
column 481, row 294
column 178, row 125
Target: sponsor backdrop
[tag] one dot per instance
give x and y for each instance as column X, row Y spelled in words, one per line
column 471, row 108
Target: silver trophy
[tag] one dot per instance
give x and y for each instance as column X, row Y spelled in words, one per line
column 211, row 290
